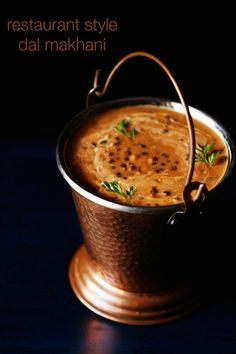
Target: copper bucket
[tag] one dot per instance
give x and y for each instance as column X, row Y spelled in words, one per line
column 136, row 266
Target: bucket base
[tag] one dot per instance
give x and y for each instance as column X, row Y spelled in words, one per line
column 125, row 306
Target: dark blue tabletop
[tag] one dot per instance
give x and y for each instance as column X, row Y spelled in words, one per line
column 39, row 312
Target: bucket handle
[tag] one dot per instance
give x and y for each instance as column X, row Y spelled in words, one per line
column 99, row 91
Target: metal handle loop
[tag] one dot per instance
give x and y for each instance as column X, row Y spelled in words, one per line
column 99, row 91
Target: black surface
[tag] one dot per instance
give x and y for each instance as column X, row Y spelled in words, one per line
column 39, row 230
column 39, row 312
column 42, row 91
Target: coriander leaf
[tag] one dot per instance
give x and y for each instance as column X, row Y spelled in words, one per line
column 131, row 134
column 113, row 187
column 122, row 128
column 204, row 154
column 213, row 158
column 131, row 191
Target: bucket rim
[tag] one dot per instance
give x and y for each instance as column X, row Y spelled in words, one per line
column 197, row 114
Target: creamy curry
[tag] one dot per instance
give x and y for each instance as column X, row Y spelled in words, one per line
column 139, row 155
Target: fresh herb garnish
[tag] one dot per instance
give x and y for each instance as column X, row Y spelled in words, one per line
column 131, row 134
column 131, row 191
column 114, row 187
column 122, row 128
column 204, row 153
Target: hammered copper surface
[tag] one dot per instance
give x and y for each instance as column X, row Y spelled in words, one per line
column 124, row 306
column 130, row 251
column 135, row 268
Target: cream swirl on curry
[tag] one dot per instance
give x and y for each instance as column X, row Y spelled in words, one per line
column 139, row 155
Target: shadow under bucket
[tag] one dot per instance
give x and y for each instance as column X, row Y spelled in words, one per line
column 135, row 267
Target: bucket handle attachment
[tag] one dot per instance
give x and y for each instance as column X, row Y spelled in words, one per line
column 100, row 90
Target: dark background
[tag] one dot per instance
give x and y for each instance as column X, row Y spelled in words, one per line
column 39, row 231
column 42, row 91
